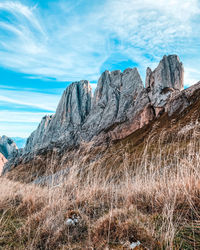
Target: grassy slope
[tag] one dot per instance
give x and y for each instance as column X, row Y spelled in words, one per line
column 145, row 187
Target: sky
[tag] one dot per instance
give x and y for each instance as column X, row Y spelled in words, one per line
column 46, row 45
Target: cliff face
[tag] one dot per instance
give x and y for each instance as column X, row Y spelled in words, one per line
column 118, row 98
column 71, row 112
column 166, row 78
column 120, row 106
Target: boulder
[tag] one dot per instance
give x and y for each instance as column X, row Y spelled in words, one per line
column 8, row 148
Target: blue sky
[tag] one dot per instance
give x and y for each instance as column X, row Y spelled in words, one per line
column 45, row 45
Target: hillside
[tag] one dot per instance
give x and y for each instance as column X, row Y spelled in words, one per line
column 119, row 170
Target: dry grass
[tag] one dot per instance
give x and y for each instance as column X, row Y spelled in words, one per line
column 154, row 197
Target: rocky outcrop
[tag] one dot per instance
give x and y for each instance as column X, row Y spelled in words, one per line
column 165, row 79
column 71, row 113
column 118, row 98
column 179, row 101
column 120, row 106
column 37, row 138
column 8, row 148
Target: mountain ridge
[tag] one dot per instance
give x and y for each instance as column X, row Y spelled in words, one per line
column 121, row 105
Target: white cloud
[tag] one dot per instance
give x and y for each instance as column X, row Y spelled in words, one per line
column 192, row 76
column 64, row 43
column 30, row 99
column 68, row 46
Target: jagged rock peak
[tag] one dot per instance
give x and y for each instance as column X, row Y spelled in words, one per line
column 38, row 136
column 75, row 103
column 7, row 146
column 168, row 74
column 113, row 101
column 71, row 112
column 167, row 77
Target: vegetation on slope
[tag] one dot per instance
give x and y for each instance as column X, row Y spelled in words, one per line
column 143, row 188
column 156, row 202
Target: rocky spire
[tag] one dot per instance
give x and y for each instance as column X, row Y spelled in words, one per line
column 37, row 138
column 71, row 112
column 167, row 77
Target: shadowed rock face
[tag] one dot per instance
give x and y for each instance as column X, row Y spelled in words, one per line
column 120, row 106
column 166, row 78
column 7, row 147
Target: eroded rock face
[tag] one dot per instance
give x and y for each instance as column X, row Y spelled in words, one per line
column 7, row 147
column 119, row 98
column 38, row 136
column 165, row 79
column 120, row 106
column 71, row 113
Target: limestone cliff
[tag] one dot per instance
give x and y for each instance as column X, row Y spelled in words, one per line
column 71, row 113
column 120, row 106
column 166, row 78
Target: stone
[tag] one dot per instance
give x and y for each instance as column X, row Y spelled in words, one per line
column 119, row 98
column 165, row 79
column 71, row 113
column 120, row 106
column 7, row 147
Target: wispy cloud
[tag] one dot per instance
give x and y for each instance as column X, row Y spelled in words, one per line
column 67, row 44
column 74, row 40
column 41, row 101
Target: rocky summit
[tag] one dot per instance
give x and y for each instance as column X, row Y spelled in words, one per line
column 120, row 106
column 71, row 113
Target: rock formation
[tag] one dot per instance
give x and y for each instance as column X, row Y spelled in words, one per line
column 120, row 106
column 71, row 112
column 8, row 148
column 166, row 78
